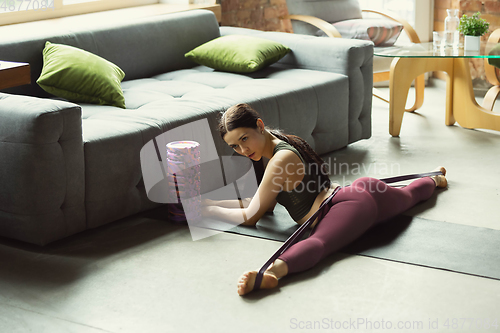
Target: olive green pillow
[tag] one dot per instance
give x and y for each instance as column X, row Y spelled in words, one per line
column 80, row 76
column 239, row 54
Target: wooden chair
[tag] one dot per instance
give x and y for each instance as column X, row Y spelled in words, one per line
column 492, row 76
column 310, row 16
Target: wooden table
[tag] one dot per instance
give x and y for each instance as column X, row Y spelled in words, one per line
column 414, row 60
column 14, row 74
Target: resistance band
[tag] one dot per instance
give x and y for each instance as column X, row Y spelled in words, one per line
column 322, row 210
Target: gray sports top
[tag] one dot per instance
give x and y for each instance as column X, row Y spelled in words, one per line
column 298, row 202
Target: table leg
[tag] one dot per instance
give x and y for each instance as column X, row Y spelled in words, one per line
column 403, row 72
column 419, row 93
column 466, row 110
column 449, row 118
column 491, row 97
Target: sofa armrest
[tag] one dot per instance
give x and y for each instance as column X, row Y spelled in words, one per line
column 41, row 168
column 349, row 57
column 32, row 120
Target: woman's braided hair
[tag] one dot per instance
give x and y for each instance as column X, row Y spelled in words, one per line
column 243, row 115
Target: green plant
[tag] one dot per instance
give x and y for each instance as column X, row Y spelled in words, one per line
column 473, row 25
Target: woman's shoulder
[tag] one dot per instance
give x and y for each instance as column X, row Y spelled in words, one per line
column 283, row 148
column 286, row 156
column 280, row 145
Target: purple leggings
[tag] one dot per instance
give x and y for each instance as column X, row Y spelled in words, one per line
column 367, row 202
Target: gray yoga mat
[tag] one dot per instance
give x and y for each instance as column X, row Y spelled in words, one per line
column 412, row 240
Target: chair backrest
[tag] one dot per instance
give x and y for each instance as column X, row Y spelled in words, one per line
column 329, row 10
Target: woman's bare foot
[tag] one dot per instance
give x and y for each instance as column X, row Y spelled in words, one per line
column 440, row 180
column 247, row 280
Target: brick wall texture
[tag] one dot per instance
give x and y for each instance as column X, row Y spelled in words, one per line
column 256, row 14
column 490, row 11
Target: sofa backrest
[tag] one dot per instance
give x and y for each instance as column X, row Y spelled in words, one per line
column 141, row 48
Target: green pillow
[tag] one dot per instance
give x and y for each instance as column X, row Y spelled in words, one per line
column 80, row 76
column 239, row 54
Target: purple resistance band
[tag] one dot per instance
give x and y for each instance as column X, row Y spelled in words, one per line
column 325, row 207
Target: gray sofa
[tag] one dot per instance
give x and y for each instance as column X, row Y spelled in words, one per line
column 65, row 168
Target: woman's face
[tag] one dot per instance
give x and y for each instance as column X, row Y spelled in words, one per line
column 246, row 141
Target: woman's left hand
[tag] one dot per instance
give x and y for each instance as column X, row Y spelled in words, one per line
column 208, row 211
column 208, row 202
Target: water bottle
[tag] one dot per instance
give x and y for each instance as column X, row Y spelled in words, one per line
column 451, row 28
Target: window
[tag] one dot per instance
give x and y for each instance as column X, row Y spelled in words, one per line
column 18, row 11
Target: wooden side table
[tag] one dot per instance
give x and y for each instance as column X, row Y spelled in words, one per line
column 13, row 74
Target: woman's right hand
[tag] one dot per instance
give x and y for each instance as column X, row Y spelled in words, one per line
column 208, row 202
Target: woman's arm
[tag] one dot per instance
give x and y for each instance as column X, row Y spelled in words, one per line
column 264, row 199
column 228, row 203
column 244, row 203
column 271, row 207
column 234, row 215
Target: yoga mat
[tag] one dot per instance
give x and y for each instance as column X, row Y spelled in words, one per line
column 412, row 240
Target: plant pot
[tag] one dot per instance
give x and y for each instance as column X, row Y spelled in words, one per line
column 472, row 43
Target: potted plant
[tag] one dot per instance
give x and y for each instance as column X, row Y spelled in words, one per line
column 472, row 28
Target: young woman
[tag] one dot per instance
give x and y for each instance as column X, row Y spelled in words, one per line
column 296, row 177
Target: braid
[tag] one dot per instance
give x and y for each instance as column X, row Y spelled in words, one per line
column 309, row 155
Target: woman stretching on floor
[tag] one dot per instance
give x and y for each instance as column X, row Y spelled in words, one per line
column 290, row 180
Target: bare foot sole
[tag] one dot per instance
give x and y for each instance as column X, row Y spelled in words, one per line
column 247, row 280
column 440, row 180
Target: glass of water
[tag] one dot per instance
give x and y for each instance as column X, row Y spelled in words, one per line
column 438, row 39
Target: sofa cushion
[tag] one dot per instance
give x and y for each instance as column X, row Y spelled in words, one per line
column 238, row 54
column 80, row 76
